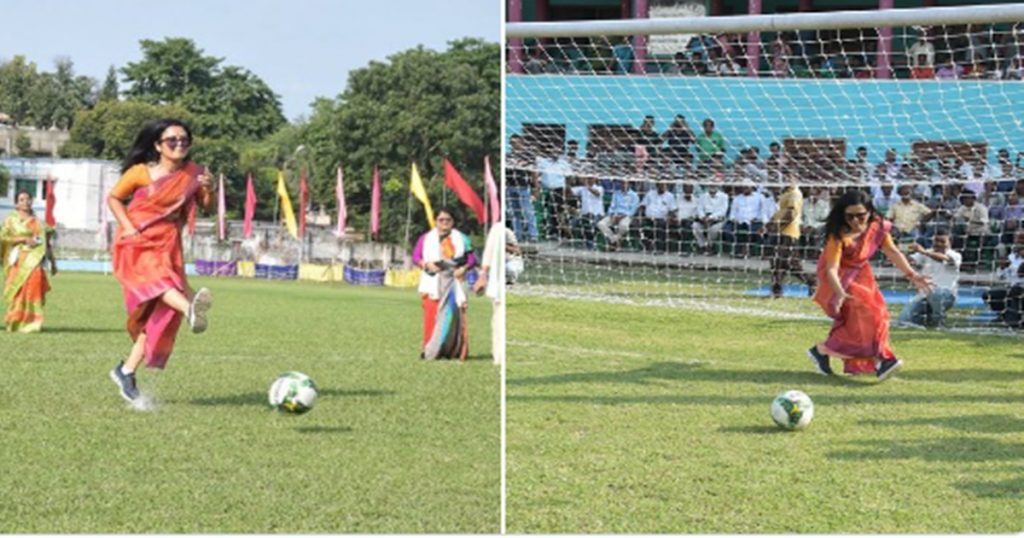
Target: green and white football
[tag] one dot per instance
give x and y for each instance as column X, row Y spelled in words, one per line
column 293, row 392
column 792, row 410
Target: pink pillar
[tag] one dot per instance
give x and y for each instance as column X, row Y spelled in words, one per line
column 884, row 69
column 640, row 11
column 753, row 41
column 515, row 14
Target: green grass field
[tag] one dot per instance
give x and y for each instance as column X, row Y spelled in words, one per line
column 633, row 419
column 394, row 445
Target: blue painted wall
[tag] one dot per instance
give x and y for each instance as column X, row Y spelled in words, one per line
column 876, row 114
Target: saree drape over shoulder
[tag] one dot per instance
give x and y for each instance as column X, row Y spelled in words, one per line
column 25, row 283
column 860, row 329
column 151, row 263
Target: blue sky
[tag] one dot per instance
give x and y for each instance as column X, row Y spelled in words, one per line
column 302, row 48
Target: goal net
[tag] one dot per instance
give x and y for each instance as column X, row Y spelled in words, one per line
column 647, row 159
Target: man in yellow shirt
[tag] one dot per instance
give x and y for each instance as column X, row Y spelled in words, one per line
column 784, row 230
column 907, row 215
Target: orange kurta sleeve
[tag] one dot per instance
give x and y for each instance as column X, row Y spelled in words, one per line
column 133, row 179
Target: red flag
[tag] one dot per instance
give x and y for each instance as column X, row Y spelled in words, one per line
column 339, row 193
column 51, row 201
column 492, row 191
column 222, row 223
column 466, row 193
column 375, row 204
column 303, row 200
column 250, row 208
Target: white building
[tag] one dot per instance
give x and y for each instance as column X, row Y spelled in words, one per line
column 80, row 188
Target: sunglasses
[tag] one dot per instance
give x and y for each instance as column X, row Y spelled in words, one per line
column 175, row 142
column 858, row 216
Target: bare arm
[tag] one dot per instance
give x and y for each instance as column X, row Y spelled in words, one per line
column 897, row 258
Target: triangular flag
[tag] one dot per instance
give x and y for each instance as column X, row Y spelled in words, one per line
column 339, row 192
column 420, row 192
column 250, row 208
column 286, row 206
column 222, row 223
column 466, row 193
column 303, row 201
column 51, row 201
column 492, row 191
column 375, row 205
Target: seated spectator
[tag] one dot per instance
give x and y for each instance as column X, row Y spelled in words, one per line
column 780, row 54
column 776, row 162
column 949, row 70
column 921, row 54
column 1015, row 243
column 1010, row 216
column 712, row 208
column 620, row 214
column 591, row 197
column 859, row 68
column 883, row 196
column 658, row 205
column 686, row 213
column 813, row 218
column 970, row 226
column 622, row 51
column 942, row 265
column 989, row 197
column 1008, row 301
column 710, row 143
column 745, row 219
column 678, row 138
column 722, row 64
column 907, row 216
column 1015, row 70
column 922, row 71
column 749, row 168
column 1003, row 172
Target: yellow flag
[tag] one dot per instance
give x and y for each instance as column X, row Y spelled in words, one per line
column 286, row 206
column 420, row 192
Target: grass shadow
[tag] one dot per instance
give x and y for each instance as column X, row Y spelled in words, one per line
column 956, row 450
column 755, row 430
column 676, row 371
column 995, row 424
column 860, row 398
column 324, row 429
column 1004, row 489
column 260, row 398
column 80, row 330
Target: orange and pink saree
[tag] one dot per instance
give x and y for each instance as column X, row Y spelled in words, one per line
column 151, row 263
column 860, row 328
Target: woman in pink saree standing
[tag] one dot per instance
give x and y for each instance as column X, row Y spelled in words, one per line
column 849, row 293
column 162, row 186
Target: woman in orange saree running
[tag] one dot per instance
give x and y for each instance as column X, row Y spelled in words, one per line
column 444, row 254
column 26, row 246
column 162, row 186
column 854, row 231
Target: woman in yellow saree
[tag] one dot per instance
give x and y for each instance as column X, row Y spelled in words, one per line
column 162, row 186
column 25, row 248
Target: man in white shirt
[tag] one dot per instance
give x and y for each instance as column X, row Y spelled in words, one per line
column 712, row 208
column 745, row 219
column 620, row 215
column 922, row 49
column 591, row 196
column 658, row 204
column 942, row 265
column 552, row 170
column 971, row 226
column 815, row 214
column 686, row 215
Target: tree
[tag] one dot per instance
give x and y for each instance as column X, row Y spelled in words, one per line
column 108, row 130
column 23, row 144
column 109, row 90
column 228, row 103
column 17, row 79
column 420, row 106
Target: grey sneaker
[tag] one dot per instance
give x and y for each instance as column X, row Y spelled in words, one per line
column 197, row 309
column 887, row 368
column 126, row 383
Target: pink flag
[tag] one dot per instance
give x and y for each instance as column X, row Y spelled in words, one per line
column 222, row 228
column 375, row 205
column 342, row 211
column 250, row 208
column 492, row 190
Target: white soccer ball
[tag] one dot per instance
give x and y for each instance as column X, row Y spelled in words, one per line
column 792, row 410
column 292, row 392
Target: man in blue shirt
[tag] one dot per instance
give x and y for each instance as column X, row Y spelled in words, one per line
column 620, row 213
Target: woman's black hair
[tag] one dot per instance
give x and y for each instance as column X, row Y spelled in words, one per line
column 836, row 221
column 450, row 211
column 144, row 148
